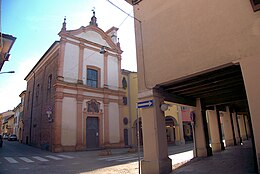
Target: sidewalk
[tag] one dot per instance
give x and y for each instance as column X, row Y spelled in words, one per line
column 234, row 160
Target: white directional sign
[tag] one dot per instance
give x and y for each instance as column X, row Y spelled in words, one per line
column 145, row 104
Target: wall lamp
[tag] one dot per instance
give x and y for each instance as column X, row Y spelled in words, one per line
column 103, row 50
column 164, row 106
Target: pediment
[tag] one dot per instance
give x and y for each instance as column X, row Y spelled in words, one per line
column 93, row 34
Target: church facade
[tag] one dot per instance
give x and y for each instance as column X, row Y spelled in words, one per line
column 74, row 97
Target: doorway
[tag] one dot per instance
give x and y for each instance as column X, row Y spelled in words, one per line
column 92, row 132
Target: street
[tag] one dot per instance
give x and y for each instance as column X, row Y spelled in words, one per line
column 19, row 158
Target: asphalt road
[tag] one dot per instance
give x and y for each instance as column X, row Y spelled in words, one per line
column 16, row 158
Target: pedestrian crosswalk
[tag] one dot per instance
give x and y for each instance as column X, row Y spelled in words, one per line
column 32, row 159
column 121, row 158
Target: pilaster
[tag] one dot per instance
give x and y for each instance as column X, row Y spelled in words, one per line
column 79, row 145
column 106, row 120
column 61, row 58
column 57, row 120
column 80, row 68
column 105, row 68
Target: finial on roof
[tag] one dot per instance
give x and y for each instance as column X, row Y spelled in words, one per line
column 93, row 10
column 64, row 24
column 118, row 43
column 93, row 18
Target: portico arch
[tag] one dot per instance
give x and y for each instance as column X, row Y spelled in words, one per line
column 171, row 131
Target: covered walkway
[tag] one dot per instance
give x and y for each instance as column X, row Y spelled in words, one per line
column 235, row 159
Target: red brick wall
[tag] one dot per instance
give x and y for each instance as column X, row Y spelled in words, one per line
column 42, row 101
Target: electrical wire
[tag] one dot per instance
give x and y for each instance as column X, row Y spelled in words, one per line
column 141, row 37
column 124, row 19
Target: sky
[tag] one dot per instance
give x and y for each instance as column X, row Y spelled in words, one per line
column 36, row 25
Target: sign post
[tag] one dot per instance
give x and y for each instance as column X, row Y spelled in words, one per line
column 138, row 138
column 145, row 104
column 142, row 104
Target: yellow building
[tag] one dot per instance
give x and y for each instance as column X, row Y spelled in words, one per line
column 175, row 130
column 130, row 86
column 7, row 122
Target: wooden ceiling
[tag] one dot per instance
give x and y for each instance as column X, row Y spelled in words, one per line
column 220, row 87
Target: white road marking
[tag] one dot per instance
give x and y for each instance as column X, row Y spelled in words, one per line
column 53, row 157
column 11, row 160
column 129, row 159
column 40, row 158
column 26, row 159
column 117, row 157
column 121, row 158
column 66, row 156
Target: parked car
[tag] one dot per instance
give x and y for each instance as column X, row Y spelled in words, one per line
column 12, row 137
column 1, row 141
column 5, row 136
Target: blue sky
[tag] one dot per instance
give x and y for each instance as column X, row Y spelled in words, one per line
column 36, row 23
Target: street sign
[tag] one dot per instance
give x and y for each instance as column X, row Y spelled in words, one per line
column 145, row 104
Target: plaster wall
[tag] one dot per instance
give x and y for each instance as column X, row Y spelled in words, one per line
column 182, row 38
column 93, row 94
column 93, row 37
column 112, row 72
column 250, row 71
column 114, row 133
column 68, row 122
column 70, row 71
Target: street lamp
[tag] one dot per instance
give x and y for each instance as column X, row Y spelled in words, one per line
column 7, row 72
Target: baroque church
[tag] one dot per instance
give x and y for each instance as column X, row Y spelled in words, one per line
column 74, row 98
